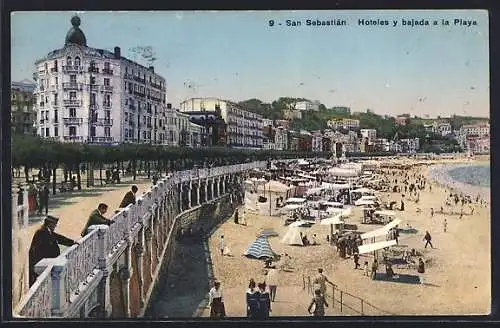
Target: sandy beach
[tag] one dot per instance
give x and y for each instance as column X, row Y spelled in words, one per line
column 458, row 270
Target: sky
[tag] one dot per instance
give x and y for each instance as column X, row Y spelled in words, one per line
column 236, row 55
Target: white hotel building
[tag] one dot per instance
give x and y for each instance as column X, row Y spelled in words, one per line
column 93, row 95
column 243, row 128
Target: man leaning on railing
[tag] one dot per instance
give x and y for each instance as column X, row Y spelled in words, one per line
column 45, row 244
column 96, row 217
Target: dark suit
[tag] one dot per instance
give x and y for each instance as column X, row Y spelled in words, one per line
column 45, row 244
column 95, row 218
column 129, row 198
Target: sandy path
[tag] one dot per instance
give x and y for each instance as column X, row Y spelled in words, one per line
column 457, row 280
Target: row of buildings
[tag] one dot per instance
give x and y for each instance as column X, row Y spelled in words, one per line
column 84, row 94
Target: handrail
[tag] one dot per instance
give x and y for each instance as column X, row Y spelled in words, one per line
column 341, row 301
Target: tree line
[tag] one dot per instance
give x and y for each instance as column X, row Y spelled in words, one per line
column 33, row 152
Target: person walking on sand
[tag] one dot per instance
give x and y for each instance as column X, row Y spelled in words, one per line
column 320, row 281
column 421, row 269
column 252, row 298
column 236, row 216
column 222, row 245
column 264, row 302
column 216, row 302
column 432, row 212
column 319, row 303
column 366, row 269
column 356, row 261
column 374, row 269
column 428, row 239
column 272, row 280
column 445, row 225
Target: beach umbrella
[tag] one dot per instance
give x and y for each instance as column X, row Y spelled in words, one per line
column 260, row 249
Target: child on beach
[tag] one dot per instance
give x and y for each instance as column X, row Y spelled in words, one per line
column 366, row 270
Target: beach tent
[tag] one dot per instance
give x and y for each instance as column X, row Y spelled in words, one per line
column 292, row 236
column 337, row 219
column 295, row 200
column 339, row 172
column 360, row 202
column 336, row 186
column 291, row 207
column 259, row 249
column 274, row 186
column 303, row 162
column 381, row 231
column 368, row 248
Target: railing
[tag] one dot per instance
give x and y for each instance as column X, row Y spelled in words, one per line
column 38, row 302
column 72, row 69
column 73, row 120
column 82, row 260
column 72, row 102
column 346, row 302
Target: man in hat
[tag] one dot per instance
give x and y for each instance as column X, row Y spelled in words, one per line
column 45, row 244
column 96, row 217
column 320, row 281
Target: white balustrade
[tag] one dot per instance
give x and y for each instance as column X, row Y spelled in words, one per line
column 116, row 231
column 38, row 301
column 81, row 261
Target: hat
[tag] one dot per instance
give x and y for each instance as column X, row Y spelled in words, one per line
column 51, row 219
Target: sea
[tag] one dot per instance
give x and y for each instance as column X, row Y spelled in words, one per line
column 476, row 175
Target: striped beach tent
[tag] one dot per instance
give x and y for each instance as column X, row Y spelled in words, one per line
column 260, row 249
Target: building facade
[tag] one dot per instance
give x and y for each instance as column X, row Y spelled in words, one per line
column 23, row 113
column 307, row 105
column 369, row 134
column 93, row 95
column 317, row 141
column 343, row 123
column 243, row 128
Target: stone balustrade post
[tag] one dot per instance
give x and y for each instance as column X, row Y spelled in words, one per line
column 139, row 260
column 104, row 288
column 58, row 276
column 219, row 189
column 181, row 189
column 213, row 188
column 190, row 190
column 206, row 190
column 126, row 271
column 198, row 193
column 148, row 236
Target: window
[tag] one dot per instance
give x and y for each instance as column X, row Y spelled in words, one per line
column 126, row 116
column 72, row 112
column 46, row 66
column 47, row 132
column 55, row 116
column 107, row 131
column 92, row 131
column 92, row 64
column 56, row 132
column 126, row 133
column 143, row 134
column 106, row 82
column 92, row 99
column 47, row 115
column 72, row 131
column 77, row 61
column 57, row 80
column 68, row 61
column 107, row 114
column 55, row 64
column 106, row 66
column 55, row 98
column 72, row 79
column 72, row 95
column 92, row 80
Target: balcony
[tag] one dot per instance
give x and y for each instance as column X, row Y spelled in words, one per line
column 140, row 94
column 103, row 122
column 93, row 70
column 101, row 139
column 156, row 86
column 107, row 71
column 93, row 107
column 55, row 121
column 42, row 104
column 72, row 69
column 129, row 76
column 94, row 87
column 132, row 107
column 107, row 88
column 149, row 126
column 131, row 123
column 138, row 79
column 72, row 120
column 72, row 102
column 106, row 105
column 73, row 138
column 54, row 70
column 72, row 86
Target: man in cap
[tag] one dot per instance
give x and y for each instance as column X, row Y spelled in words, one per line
column 96, row 217
column 45, row 244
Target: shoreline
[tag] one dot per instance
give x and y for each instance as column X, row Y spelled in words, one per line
column 440, row 174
